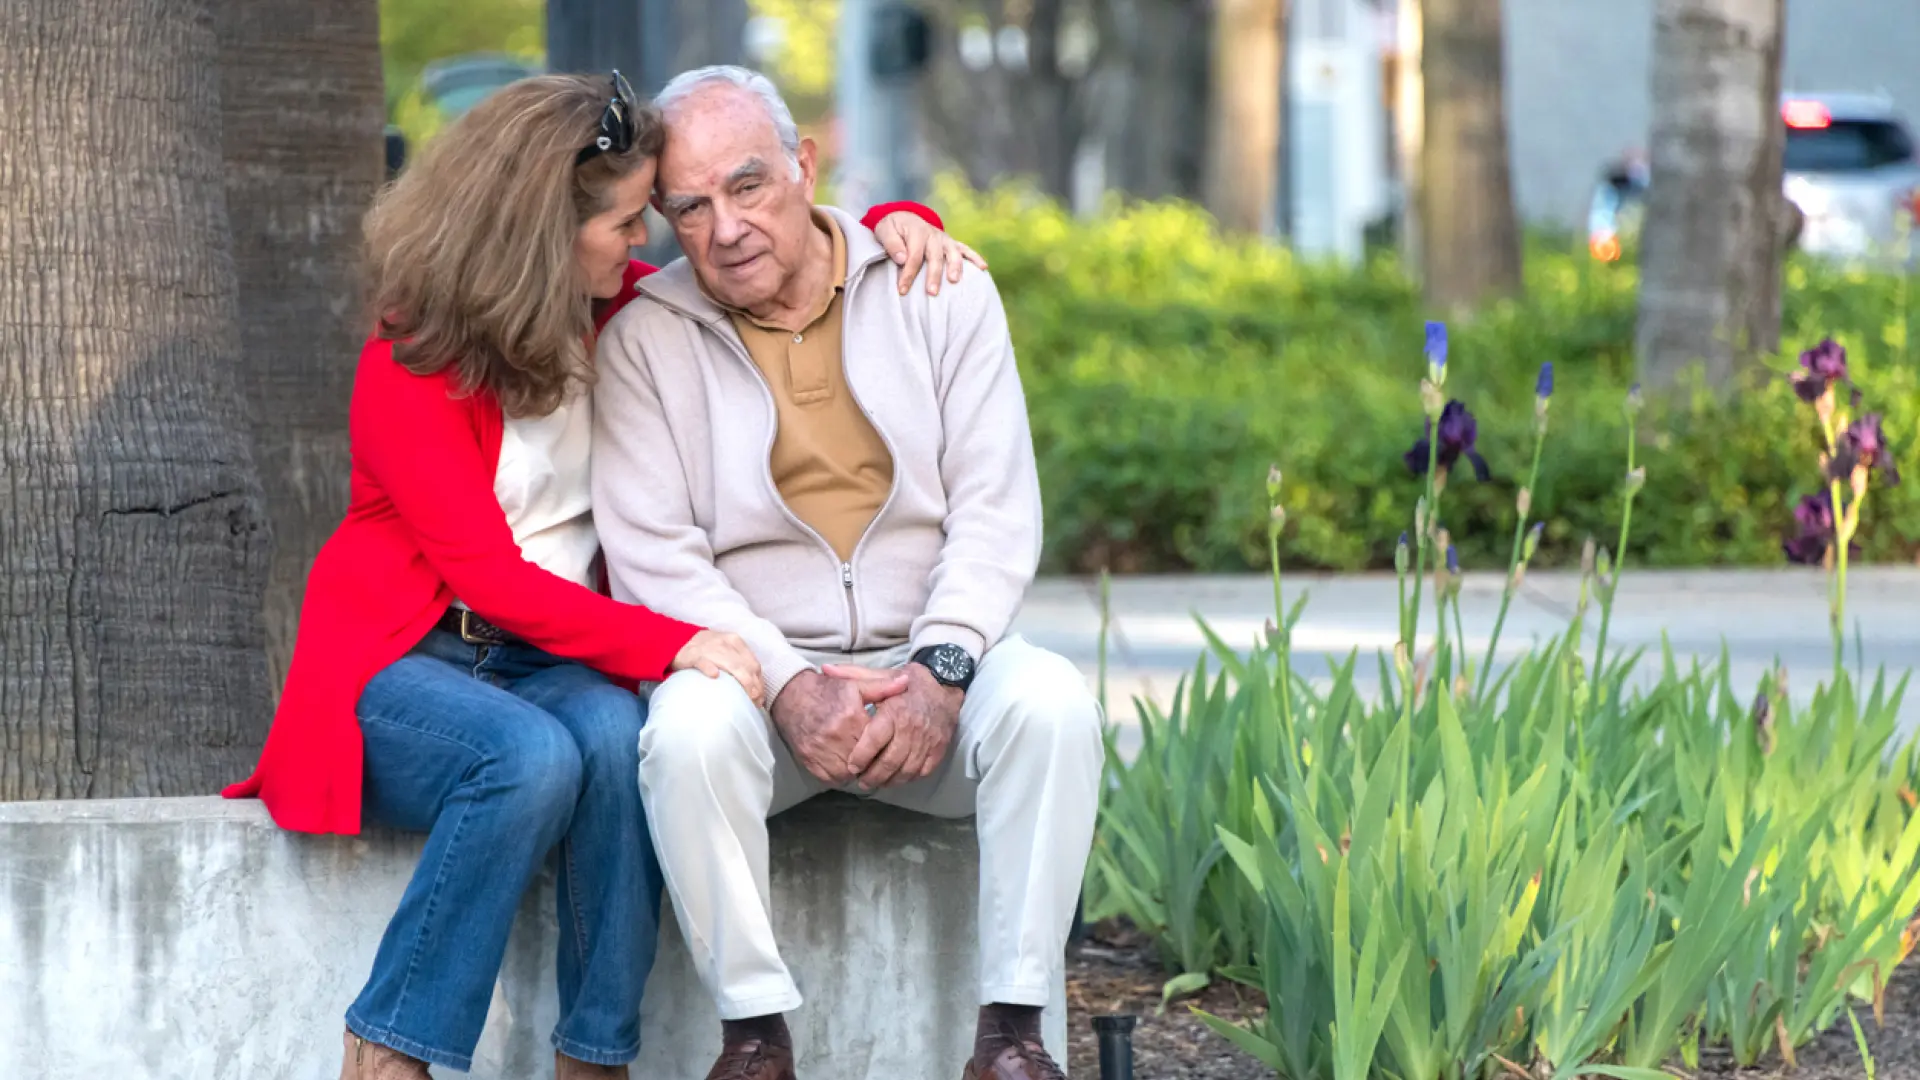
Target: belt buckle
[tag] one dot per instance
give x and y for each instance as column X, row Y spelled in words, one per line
column 472, row 637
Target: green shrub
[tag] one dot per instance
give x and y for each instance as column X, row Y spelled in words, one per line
column 1165, row 364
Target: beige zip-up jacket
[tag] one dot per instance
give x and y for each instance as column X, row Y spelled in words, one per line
column 693, row 527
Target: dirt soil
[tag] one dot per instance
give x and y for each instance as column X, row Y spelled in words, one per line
column 1115, row 970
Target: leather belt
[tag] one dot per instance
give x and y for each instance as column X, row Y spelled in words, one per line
column 475, row 630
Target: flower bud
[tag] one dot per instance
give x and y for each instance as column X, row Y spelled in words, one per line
column 1431, row 398
column 1605, row 565
column 1420, row 516
column 1586, row 557
column 1531, row 543
column 1273, row 483
column 1400, row 555
column 1523, row 502
column 1635, row 402
column 1636, row 479
column 1437, row 352
column 1518, row 579
column 1276, row 520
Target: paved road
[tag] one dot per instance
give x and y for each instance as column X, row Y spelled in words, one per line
column 1758, row 616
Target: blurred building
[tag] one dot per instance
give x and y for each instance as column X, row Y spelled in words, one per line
column 1338, row 153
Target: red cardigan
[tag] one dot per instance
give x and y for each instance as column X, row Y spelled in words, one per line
column 423, row 526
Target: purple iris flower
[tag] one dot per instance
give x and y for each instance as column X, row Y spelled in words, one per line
column 1865, row 443
column 1453, row 559
column 1814, row 516
column 1543, row 386
column 1821, row 367
column 1458, row 430
column 1437, row 344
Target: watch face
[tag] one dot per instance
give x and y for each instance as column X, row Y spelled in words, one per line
column 950, row 664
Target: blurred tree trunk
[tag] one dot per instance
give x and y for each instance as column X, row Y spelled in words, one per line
column 1711, row 248
column 1243, row 159
column 133, row 543
column 1023, row 120
column 303, row 114
column 1156, row 95
column 700, row 32
column 1054, row 98
column 1409, row 127
column 1470, row 237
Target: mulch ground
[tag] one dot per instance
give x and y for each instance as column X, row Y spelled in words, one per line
column 1114, row 970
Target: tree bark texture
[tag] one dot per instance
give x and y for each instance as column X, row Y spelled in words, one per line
column 133, row 546
column 1469, row 234
column 1243, row 156
column 302, row 116
column 1711, row 245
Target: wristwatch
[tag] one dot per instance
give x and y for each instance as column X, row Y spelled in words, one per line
column 951, row 665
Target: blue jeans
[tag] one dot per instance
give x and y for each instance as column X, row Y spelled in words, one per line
column 502, row 755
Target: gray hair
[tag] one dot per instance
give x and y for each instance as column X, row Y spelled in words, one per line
column 683, row 85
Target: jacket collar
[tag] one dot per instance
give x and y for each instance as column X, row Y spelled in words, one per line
column 677, row 288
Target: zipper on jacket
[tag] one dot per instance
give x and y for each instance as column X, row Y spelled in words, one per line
column 853, row 609
column 893, row 486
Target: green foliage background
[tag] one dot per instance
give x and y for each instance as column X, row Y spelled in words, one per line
column 1167, row 367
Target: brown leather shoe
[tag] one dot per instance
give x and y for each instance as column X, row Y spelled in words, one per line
column 370, row 1061
column 1015, row 1059
column 754, row 1059
column 568, row 1068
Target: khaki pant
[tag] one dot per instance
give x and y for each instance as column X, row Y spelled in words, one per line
column 1026, row 760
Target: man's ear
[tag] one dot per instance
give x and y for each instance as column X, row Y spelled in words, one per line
column 809, row 163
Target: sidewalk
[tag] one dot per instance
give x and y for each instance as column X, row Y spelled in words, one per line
column 1758, row 616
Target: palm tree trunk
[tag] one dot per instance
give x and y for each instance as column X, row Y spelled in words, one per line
column 1243, row 137
column 1470, row 236
column 133, row 546
column 1711, row 247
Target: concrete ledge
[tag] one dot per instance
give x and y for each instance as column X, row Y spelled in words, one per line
column 190, row 939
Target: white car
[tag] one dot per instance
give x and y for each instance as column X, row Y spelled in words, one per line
column 1850, row 169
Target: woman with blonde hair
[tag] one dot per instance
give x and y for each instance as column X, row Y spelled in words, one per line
column 459, row 669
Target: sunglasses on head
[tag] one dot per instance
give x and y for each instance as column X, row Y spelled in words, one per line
column 616, row 124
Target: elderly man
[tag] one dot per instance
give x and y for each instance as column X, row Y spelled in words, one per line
column 787, row 448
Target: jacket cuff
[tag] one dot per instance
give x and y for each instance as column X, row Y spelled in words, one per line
column 779, row 670
column 950, row 634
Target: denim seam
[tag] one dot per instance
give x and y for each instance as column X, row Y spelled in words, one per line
column 433, row 896
column 574, row 908
column 573, row 901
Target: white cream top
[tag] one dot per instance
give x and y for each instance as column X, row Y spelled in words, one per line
column 542, row 484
